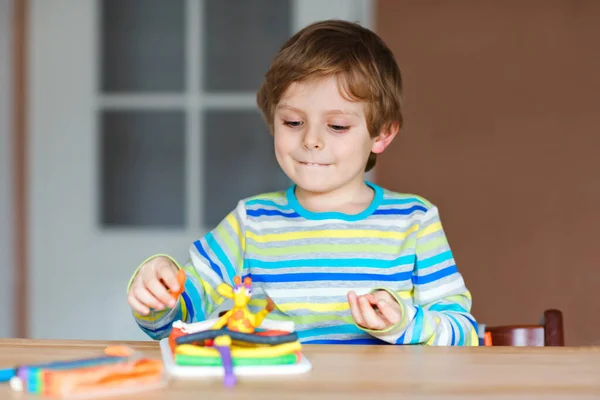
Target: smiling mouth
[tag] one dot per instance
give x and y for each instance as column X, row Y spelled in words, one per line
column 311, row 164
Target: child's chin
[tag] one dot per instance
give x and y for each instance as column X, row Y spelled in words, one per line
column 314, row 186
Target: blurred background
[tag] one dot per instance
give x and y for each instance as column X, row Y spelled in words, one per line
column 130, row 127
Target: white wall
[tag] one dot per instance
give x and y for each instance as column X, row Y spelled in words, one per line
column 6, row 255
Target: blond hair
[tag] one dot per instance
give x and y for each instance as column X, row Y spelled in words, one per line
column 363, row 64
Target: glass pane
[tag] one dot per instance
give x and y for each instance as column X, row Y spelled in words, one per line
column 143, row 164
column 143, row 46
column 239, row 162
column 241, row 39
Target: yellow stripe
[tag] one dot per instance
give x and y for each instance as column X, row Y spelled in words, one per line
column 268, row 196
column 184, row 312
column 430, row 229
column 327, row 307
column 216, row 297
column 324, row 248
column 474, row 337
column 153, row 316
column 331, row 234
column 250, row 352
column 434, row 335
column 235, row 225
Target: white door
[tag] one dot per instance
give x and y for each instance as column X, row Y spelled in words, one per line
column 144, row 133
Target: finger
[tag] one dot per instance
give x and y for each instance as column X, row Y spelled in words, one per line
column 147, row 299
column 391, row 313
column 372, row 299
column 169, row 277
column 137, row 306
column 355, row 309
column 372, row 320
column 160, row 292
column 383, row 295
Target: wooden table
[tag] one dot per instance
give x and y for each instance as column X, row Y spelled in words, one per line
column 358, row 372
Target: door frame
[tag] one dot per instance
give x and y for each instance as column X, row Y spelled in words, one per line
column 20, row 65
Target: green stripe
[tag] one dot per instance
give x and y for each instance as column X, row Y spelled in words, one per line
column 215, row 361
column 232, row 245
column 310, row 319
column 324, row 248
column 433, row 244
column 272, row 195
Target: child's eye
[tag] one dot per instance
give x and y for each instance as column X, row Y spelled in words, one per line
column 293, row 124
column 339, row 128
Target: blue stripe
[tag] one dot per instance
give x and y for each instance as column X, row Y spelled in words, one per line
column 262, row 212
column 401, row 338
column 342, row 341
column 168, row 326
column 461, row 333
column 221, row 256
column 189, row 306
column 439, row 258
column 346, row 329
column 453, row 339
column 326, row 276
column 399, row 211
column 214, row 266
column 333, row 262
column 448, row 307
column 402, row 201
column 417, row 326
column 442, row 273
column 473, row 322
column 265, row 202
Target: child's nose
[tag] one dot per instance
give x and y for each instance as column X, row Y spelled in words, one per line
column 312, row 139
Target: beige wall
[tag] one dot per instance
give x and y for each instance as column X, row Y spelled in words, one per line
column 502, row 110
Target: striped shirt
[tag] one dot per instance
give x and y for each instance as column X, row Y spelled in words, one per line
column 308, row 262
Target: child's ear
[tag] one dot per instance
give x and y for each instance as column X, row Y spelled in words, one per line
column 385, row 137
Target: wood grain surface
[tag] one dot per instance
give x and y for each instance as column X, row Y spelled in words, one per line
column 365, row 372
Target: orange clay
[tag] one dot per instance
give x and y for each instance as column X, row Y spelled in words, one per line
column 105, row 377
column 175, row 333
column 181, row 280
column 118, row 351
column 487, row 339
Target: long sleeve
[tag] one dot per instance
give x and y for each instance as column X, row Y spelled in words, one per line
column 213, row 259
column 440, row 311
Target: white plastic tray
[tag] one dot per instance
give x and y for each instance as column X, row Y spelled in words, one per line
column 185, row 371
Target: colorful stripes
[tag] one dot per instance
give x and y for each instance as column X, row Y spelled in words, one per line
column 307, row 262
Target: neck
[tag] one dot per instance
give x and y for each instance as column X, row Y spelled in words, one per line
column 351, row 199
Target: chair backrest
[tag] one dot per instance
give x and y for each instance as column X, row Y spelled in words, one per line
column 549, row 333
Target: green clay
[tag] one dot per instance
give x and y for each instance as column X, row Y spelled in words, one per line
column 210, row 361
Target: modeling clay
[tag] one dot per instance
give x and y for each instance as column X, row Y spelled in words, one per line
column 237, row 340
column 91, row 377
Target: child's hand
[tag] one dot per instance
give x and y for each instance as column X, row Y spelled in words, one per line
column 150, row 288
column 374, row 311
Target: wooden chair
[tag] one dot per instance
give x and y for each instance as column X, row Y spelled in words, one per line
column 549, row 333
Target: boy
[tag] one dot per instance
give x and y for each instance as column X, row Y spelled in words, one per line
column 346, row 260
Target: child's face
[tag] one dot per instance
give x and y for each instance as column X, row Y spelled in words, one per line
column 321, row 139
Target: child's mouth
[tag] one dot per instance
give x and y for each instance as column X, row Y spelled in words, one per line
column 311, row 164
